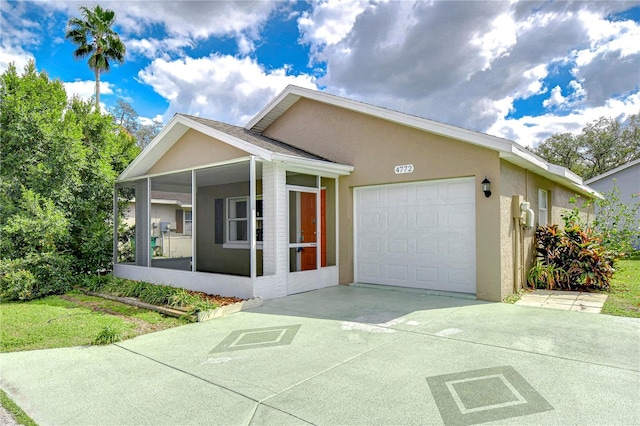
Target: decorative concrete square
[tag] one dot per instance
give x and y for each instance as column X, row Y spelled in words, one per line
column 485, row 395
column 257, row 338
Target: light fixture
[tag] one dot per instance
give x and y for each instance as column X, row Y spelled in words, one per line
column 486, row 187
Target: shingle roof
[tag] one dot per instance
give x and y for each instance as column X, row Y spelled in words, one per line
column 255, row 138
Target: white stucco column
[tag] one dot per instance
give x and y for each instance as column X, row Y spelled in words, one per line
column 275, row 254
column 269, row 266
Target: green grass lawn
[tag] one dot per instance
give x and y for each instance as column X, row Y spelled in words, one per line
column 18, row 415
column 624, row 296
column 73, row 319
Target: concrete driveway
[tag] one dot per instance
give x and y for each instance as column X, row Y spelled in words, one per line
column 347, row 355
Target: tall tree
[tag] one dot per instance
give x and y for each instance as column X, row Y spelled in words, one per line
column 602, row 145
column 126, row 117
column 562, row 149
column 95, row 38
column 60, row 161
column 147, row 132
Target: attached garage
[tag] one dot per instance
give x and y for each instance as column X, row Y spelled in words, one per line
column 417, row 234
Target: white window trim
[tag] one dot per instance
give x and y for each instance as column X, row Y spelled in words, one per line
column 543, row 212
column 185, row 221
column 242, row 245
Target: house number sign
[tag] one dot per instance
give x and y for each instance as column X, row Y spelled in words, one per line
column 405, row 168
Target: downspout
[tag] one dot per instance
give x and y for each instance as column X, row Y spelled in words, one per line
column 518, row 242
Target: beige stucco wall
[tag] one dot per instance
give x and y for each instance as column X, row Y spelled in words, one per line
column 212, row 257
column 195, row 149
column 518, row 181
column 375, row 146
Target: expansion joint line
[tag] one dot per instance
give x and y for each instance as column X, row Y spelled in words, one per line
column 257, row 402
column 263, row 402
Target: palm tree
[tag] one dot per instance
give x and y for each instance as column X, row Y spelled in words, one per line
column 95, row 38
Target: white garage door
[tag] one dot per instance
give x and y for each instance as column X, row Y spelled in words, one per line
column 419, row 234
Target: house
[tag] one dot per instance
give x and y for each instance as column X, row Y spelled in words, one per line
column 626, row 179
column 318, row 190
column 171, row 225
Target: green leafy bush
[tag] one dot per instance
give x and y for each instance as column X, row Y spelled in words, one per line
column 18, row 284
column 617, row 223
column 570, row 259
column 36, row 275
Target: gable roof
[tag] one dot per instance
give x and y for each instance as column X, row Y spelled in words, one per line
column 508, row 150
column 614, row 171
column 244, row 139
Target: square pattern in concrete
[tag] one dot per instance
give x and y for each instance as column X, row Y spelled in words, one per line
column 257, row 338
column 564, row 300
column 485, row 395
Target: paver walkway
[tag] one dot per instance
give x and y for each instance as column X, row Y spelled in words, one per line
column 564, row 300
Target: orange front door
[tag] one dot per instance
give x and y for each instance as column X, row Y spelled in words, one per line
column 323, row 227
column 308, row 230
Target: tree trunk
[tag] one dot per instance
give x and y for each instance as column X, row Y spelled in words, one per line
column 97, row 90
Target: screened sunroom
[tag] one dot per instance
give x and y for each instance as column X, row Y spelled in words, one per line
column 246, row 227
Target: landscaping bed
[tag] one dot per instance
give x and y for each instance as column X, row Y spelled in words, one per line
column 219, row 306
column 172, row 301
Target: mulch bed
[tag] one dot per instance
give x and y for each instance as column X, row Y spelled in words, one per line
column 217, row 299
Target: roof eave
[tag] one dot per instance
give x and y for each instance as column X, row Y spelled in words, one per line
column 508, row 150
column 306, row 165
column 171, row 133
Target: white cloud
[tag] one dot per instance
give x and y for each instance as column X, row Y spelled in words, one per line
column 186, row 23
column 498, row 40
column 86, row 89
column 145, row 121
column 530, row 131
column 15, row 55
column 181, row 23
column 463, row 63
column 467, row 63
column 223, row 87
column 329, row 21
column 18, row 35
column 555, row 99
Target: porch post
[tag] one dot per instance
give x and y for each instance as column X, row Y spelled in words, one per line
column 252, row 218
column 115, row 224
column 318, row 223
column 193, row 220
column 142, row 197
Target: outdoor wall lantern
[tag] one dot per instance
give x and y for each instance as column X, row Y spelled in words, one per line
column 486, row 187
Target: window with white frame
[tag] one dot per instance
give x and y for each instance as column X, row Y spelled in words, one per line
column 237, row 221
column 543, row 210
column 188, row 222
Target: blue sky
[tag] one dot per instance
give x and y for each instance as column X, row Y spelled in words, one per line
column 519, row 70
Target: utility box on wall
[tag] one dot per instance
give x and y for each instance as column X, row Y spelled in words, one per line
column 167, row 226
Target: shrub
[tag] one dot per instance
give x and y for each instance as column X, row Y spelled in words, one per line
column 570, row 259
column 615, row 222
column 95, row 282
column 36, row 275
column 18, row 284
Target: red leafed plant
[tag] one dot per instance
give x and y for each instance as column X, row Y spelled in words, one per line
column 570, row 259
